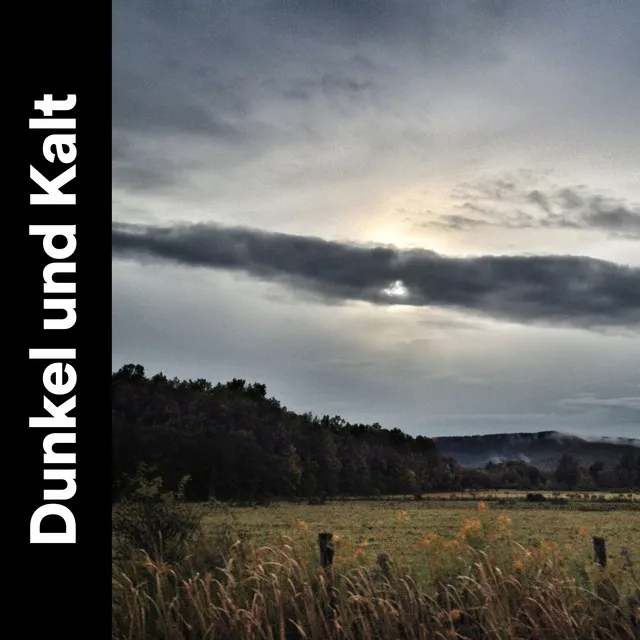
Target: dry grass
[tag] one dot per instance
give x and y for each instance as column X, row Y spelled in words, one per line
column 471, row 580
column 396, row 527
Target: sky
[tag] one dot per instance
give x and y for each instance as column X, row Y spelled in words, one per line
column 421, row 213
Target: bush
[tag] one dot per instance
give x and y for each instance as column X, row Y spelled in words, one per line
column 319, row 499
column 154, row 520
column 535, row 497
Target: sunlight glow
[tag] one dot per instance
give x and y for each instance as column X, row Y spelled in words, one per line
column 396, row 289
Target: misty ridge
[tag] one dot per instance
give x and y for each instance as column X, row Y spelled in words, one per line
column 544, row 449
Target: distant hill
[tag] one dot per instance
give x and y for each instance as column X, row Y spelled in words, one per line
column 543, row 449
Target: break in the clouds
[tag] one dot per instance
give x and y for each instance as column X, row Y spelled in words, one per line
column 554, row 289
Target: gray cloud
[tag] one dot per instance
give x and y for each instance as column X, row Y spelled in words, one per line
column 154, row 110
column 569, row 290
column 540, row 199
column 427, row 25
column 618, row 220
column 498, row 203
column 151, row 175
column 630, row 403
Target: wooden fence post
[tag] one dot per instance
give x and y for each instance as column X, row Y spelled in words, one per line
column 326, row 549
column 599, row 552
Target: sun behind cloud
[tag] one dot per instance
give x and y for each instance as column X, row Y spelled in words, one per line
column 396, row 290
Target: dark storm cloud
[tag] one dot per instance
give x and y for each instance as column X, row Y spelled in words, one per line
column 570, row 290
column 553, row 208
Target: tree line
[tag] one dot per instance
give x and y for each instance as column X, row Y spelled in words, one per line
column 236, row 443
column 517, row 474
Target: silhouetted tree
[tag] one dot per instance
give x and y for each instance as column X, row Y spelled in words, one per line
column 237, row 443
column 568, row 471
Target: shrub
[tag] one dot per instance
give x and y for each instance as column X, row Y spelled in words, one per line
column 535, row 497
column 156, row 521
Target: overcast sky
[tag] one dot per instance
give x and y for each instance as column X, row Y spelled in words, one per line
column 422, row 213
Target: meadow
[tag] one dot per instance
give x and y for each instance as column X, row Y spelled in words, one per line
column 399, row 527
column 441, row 567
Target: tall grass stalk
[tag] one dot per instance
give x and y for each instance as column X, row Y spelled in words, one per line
column 281, row 593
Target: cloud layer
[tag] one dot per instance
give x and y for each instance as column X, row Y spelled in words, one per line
column 512, row 204
column 566, row 290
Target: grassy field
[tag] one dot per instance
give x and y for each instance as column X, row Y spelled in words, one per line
column 402, row 569
column 399, row 528
column 574, row 496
